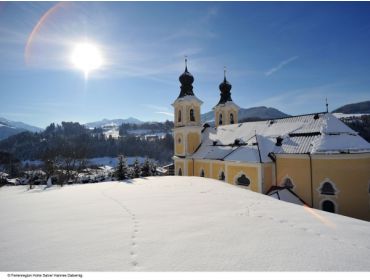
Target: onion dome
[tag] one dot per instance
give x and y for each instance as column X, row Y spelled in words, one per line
column 225, row 88
column 186, row 79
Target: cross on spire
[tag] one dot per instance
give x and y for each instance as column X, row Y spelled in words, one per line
column 186, row 62
column 327, row 105
column 224, row 72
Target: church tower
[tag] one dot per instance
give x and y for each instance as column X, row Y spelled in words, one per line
column 187, row 124
column 226, row 111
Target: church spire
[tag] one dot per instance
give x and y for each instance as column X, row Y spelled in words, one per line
column 225, row 88
column 186, row 79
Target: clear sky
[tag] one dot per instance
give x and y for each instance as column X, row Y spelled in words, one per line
column 284, row 55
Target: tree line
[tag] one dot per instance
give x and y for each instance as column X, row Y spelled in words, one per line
column 71, row 143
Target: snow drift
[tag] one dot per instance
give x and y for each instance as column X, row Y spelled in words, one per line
column 172, row 224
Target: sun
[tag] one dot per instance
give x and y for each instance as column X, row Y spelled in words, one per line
column 86, row 57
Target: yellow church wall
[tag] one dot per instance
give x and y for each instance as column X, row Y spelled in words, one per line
column 179, row 164
column 190, row 168
column 201, row 164
column 179, row 146
column 350, row 176
column 267, row 177
column 217, row 167
column 193, row 142
column 233, row 171
column 297, row 169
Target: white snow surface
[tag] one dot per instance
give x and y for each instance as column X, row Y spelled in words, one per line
column 172, row 224
column 342, row 115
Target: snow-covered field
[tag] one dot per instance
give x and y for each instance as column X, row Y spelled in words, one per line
column 172, row 224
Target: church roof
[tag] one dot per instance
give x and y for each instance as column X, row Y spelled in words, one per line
column 253, row 141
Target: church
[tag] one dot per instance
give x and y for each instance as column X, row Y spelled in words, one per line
column 314, row 159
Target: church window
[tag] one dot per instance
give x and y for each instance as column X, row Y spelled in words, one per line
column 220, row 119
column 179, row 116
column 288, row 183
column 192, row 118
column 231, row 118
column 243, row 181
column 202, row 173
column 327, row 189
column 179, row 140
column 222, row 176
column 328, row 206
column 180, row 172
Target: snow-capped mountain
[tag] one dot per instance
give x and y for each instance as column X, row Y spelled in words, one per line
column 261, row 112
column 9, row 128
column 114, row 122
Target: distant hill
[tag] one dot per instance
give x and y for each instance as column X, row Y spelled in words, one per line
column 114, row 122
column 9, row 128
column 354, row 108
column 256, row 113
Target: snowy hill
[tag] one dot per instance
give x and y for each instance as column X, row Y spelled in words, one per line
column 115, row 122
column 172, row 224
column 262, row 113
column 9, row 128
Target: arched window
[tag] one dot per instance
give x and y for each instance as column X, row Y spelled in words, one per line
column 202, row 173
column 222, row 176
column 328, row 206
column 231, row 118
column 327, row 189
column 220, row 119
column 192, row 118
column 180, row 172
column 243, row 181
column 288, row 183
column 179, row 116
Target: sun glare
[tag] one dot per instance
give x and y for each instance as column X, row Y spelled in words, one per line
column 86, row 57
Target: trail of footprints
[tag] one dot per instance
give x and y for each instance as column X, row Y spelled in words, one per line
column 248, row 211
column 134, row 233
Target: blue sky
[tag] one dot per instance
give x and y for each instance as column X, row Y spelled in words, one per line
column 284, row 55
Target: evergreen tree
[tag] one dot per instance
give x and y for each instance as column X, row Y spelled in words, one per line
column 153, row 168
column 121, row 172
column 145, row 169
column 137, row 169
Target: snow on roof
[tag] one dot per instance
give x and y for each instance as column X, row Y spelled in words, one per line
column 339, row 143
column 172, row 224
column 213, row 152
column 331, row 125
column 300, row 135
column 227, row 103
column 286, row 195
column 3, row 175
column 188, row 98
column 244, row 153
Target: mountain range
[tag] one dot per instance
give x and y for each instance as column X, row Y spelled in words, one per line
column 262, row 113
column 9, row 128
column 114, row 122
